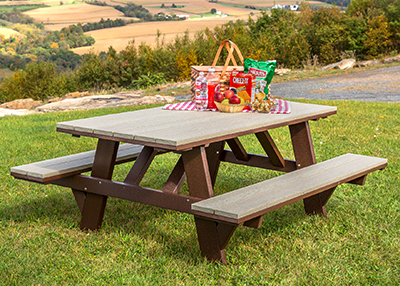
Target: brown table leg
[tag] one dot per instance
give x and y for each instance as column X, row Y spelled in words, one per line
column 304, row 154
column 198, row 173
column 103, row 166
column 212, row 236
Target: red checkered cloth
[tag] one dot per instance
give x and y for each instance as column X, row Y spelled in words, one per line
column 281, row 107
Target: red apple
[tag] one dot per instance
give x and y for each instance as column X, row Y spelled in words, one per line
column 229, row 93
column 234, row 100
column 218, row 97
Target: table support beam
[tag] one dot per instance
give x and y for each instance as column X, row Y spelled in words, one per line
column 141, row 165
column 271, row 149
column 238, row 149
column 176, row 179
column 103, row 166
column 214, row 154
column 198, row 173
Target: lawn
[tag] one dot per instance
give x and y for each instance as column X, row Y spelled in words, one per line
column 41, row 244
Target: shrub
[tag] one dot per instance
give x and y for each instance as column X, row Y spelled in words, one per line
column 37, row 81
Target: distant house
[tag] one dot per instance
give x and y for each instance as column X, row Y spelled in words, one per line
column 287, row 7
column 183, row 16
column 277, row 6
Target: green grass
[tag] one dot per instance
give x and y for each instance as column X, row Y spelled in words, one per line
column 5, row 73
column 41, row 244
column 21, row 8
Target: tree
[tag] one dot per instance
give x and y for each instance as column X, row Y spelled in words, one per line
column 213, row 11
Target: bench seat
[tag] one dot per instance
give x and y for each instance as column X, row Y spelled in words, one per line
column 255, row 200
column 48, row 170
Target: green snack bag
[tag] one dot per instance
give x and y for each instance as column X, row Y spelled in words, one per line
column 263, row 71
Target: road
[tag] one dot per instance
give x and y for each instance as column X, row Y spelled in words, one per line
column 374, row 85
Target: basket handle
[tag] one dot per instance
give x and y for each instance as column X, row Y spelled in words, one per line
column 230, row 46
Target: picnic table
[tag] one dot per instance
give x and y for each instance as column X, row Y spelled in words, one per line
column 199, row 138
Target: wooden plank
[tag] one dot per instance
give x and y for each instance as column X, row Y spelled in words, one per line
column 89, row 124
column 154, row 122
column 72, row 163
column 190, row 128
column 263, row 195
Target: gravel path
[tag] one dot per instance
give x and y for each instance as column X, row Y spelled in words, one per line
column 375, row 85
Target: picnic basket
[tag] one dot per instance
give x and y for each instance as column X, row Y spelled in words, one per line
column 222, row 71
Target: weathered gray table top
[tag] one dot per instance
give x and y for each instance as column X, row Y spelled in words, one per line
column 176, row 130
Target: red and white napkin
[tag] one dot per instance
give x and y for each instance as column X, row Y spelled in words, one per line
column 281, row 107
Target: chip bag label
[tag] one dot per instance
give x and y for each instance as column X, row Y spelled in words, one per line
column 263, row 72
column 244, row 83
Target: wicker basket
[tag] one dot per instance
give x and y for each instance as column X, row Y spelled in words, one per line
column 222, row 71
column 231, row 108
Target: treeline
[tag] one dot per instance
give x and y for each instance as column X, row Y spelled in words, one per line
column 368, row 29
column 103, row 24
column 138, row 11
column 341, row 3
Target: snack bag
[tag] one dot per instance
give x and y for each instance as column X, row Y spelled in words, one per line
column 244, row 84
column 263, row 72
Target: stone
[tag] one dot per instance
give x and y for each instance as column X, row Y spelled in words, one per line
column 6, row 111
column 282, row 71
column 103, row 101
column 344, row 64
column 27, row 103
column 367, row 63
column 392, row 59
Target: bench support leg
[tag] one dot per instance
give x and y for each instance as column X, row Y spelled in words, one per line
column 316, row 203
column 79, row 198
column 103, row 166
column 213, row 238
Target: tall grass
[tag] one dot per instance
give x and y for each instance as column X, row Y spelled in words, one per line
column 41, row 244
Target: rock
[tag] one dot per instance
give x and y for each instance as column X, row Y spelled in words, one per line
column 103, row 101
column 392, row 59
column 367, row 63
column 27, row 103
column 75, row 94
column 6, row 111
column 282, row 71
column 344, row 64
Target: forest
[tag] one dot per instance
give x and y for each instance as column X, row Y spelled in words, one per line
column 368, row 29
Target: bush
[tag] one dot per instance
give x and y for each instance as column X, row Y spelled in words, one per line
column 37, row 81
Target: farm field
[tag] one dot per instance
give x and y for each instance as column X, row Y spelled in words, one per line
column 72, row 14
column 119, row 37
column 58, row 17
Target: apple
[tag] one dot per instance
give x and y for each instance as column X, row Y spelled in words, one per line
column 218, row 97
column 229, row 93
column 234, row 100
